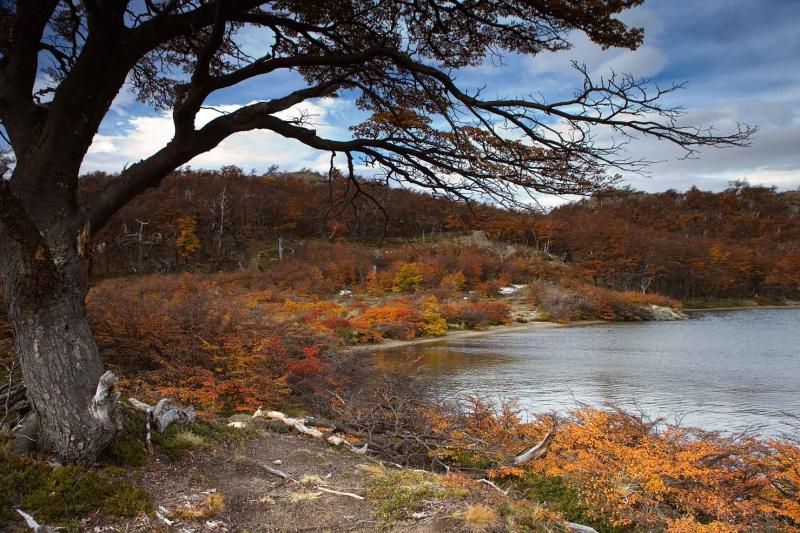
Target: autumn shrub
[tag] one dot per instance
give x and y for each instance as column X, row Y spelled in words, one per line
column 407, row 279
column 476, row 315
column 618, row 471
column 318, row 267
column 210, row 341
column 434, row 324
column 454, row 281
column 575, row 300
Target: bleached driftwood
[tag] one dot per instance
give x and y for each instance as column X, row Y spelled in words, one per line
column 580, row 529
column 300, row 427
column 164, row 413
column 494, row 486
column 162, row 513
column 340, row 493
column 295, row 423
column 275, row 472
column 536, row 451
column 104, row 402
column 34, row 525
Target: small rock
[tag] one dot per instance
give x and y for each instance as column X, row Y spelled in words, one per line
column 276, row 425
column 240, row 418
column 277, row 462
column 264, row 424
column 657, row 312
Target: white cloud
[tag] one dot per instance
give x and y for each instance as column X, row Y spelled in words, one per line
column 145, row 135
column 642, row 63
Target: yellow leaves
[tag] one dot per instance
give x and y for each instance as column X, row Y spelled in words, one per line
column 455, row 281
column 716, row 255
column 654, row 485
column 690, row 525
column 506, row 472
column 434, row 324
column 187, row 241
column 402, row 118
column 408, row 278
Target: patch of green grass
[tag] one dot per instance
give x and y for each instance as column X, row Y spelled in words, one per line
column 177, row 439
column 466, row 459
column 557, row 495
column 400, row 493
column 63, row 496
column 126, row 450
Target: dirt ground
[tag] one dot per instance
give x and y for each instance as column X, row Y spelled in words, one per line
column 254, row 499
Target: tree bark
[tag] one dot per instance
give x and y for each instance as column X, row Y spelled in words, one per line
column 46, row 279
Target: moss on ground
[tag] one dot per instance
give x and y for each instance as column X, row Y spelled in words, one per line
column 178, row 439
column 125, row 450
column 401, row 493
column 558, row 496
column 63, row 495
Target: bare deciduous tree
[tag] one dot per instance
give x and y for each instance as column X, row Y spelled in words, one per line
column 64, row 61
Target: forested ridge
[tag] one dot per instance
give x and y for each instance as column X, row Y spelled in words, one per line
column 741, row 243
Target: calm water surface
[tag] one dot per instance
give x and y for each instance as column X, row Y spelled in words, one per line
column 727, row 371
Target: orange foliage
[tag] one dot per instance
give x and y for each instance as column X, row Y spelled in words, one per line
column 477, row 315
column 642, row 474
column 575, row 300
column 204, row 340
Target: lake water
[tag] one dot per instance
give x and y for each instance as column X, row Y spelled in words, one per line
column 727, row 371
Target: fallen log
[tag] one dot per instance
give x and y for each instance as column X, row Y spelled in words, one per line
column 537, row 451
column 165, row 412
column 302, row 428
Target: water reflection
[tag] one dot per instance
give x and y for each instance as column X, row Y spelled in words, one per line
column 724, row 371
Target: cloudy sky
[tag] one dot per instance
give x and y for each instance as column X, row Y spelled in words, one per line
column 741, row 59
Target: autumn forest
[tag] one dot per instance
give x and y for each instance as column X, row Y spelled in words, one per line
column 381, row 327
column 696, row 246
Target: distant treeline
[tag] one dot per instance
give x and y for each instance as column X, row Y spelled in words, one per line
column 743, row 242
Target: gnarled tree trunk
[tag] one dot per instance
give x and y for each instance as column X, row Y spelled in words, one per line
column 46, row 278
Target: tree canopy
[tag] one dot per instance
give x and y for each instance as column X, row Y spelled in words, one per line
column 62, row 63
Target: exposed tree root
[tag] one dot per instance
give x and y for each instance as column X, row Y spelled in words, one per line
column 164, row 413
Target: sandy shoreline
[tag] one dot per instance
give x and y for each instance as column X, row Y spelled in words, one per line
column 392, row 344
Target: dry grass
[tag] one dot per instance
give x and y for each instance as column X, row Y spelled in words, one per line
column 297, row 497
column 479, row 518
column 211, row 506
column 311, row 479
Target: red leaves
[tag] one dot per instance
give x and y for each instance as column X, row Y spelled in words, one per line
column 309, row 364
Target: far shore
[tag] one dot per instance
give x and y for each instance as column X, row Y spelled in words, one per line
column 738, row 308
column 391, row 344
